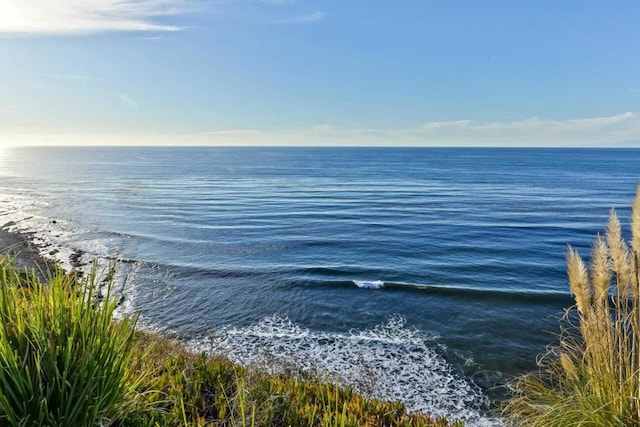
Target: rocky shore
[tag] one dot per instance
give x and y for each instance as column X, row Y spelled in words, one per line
column 23, row 251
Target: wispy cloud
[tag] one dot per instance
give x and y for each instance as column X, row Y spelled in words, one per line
column 536, row 130
column 126, row 99
column 74, row 77
column 235, row 132
column 305, row 19
column 66, row 17
column 621, row 130
column 276, row 2
column 595, row 131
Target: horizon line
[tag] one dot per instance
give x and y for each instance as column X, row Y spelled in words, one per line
column 620, row 146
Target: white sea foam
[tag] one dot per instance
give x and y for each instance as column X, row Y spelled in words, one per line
column 66, row 243
column 369, row 284
column 25, row 214
column 126, row 275
column 388, row 362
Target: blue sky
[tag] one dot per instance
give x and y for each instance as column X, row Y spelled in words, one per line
column 298, row 72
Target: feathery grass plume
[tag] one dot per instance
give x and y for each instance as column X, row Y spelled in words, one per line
column 600, row 271
column 620, row 256
column 578, row 280
column 635, row 243
column 592, row 377
column 635, row 223
column 568, row 366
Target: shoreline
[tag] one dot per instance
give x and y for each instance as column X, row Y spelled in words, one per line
column 20, row 248
column 28, row 255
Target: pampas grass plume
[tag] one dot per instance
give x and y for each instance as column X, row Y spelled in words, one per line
column 600, row 270
column 578, row 280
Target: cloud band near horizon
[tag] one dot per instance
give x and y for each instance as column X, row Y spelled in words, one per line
column 616, row 130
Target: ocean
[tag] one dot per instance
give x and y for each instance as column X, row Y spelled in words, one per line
column 423, row 274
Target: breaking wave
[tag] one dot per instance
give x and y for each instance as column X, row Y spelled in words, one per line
column 369, row 284
column 477, row 293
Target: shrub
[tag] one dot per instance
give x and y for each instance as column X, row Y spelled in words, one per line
column 64, row 360
column 592, row 378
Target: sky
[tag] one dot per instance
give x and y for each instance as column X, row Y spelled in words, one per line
column 311, row 72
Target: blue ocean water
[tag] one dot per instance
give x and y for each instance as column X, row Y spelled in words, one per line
column 316, row 251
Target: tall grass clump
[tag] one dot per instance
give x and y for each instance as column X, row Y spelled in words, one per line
column 592, row 377
column 64, row 361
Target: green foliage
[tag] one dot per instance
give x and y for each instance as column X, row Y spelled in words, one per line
column 198, row 390
column 592, row 378
column 64, row 360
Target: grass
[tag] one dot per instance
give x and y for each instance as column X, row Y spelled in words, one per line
column 64, row 361
column 592, row 377
column 191, row 389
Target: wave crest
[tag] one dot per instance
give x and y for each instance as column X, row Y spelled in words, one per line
column 369, row 284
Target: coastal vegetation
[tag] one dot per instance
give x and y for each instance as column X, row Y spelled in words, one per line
column 63, row 359
column 66, row 362
column 592, row 377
